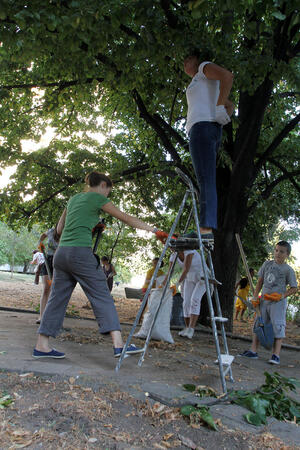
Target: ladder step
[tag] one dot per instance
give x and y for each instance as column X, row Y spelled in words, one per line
column 219, row 319
column 226, row 360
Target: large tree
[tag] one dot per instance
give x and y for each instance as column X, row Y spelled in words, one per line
column 85, row 67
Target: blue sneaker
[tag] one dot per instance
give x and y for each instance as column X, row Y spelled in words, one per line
column 53, row 354
column 274, row 360
column 131, row 350
column 249, row 354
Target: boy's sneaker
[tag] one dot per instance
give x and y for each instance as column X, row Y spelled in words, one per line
column 274, row 360
column 249, row 354
column 190, row 333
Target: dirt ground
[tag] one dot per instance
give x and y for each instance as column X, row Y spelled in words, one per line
column 17, row 293
column 65, row 415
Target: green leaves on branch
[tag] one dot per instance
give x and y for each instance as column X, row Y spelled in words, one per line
column 270, row 400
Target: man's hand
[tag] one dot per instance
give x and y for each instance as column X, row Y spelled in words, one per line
column 229, row 106
column 221, row 115
column 255, row 302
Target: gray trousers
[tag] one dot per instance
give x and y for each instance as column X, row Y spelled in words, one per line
column 72, row 265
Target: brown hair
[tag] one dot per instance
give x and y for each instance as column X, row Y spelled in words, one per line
column 94, row 179
column 286, row 245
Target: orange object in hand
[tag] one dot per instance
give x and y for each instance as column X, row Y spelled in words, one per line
column 274, row 297
column 41, row 247
column 162, row 236
column 174, row 289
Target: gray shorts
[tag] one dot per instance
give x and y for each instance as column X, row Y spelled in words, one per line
column 74, row 265
column 275, row 312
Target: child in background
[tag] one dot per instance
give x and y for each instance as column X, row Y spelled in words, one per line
column 242, row 294
column 109, row 272
column 273, row 278
column 38, row 259
column 151, row 272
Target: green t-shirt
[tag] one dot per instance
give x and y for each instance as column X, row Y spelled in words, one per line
column 82, row 216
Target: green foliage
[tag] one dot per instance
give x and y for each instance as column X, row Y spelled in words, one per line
column 5, row 400
column 270, row 399
column 72, row 311
column 199, row 413
column 16, row 247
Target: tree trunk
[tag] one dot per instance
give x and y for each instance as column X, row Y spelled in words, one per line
column 225, row 259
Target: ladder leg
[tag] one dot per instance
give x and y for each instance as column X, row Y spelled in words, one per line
column 122, row 356
column 142, row 357
column 208, row 295
column 219, row 311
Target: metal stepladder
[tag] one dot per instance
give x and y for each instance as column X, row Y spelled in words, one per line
column 224, row 360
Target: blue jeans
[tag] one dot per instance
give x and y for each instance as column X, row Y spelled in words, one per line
column 205, row 139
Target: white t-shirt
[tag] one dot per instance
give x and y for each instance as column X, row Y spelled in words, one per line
column 196, row 269
column 38, row 258
column 172, row 257
column 202, row 96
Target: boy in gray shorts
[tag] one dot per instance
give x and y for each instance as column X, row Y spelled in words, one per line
column 273, row 278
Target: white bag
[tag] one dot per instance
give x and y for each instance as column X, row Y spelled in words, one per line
column 161, row 329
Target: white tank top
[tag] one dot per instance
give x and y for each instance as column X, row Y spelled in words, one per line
column 202, row 96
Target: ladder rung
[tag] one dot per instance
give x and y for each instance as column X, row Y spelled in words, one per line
column 225, row 359
column 220, row 319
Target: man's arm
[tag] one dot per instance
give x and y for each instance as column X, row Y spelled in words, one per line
column 132, row 221
column 61, row 222
column 259, row 285
column 186, row 267
column 214, row 72
column 290, row 291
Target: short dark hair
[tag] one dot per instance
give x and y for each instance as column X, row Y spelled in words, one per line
column 94, row 179
column 192, row 52
column 286, row 245
column 243, row 282
column 104, row 258
column 157, row 259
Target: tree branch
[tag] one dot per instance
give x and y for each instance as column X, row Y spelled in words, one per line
column 156, row 126
column 289, row 175
column 276, row 141
column 59, row 84
column 287, row 94
column 171, row 130
column 267, row 192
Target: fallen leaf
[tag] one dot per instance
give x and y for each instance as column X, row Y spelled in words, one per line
column 166, row 437
column 71, row 380
column 92, row 440
column 187, row 442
